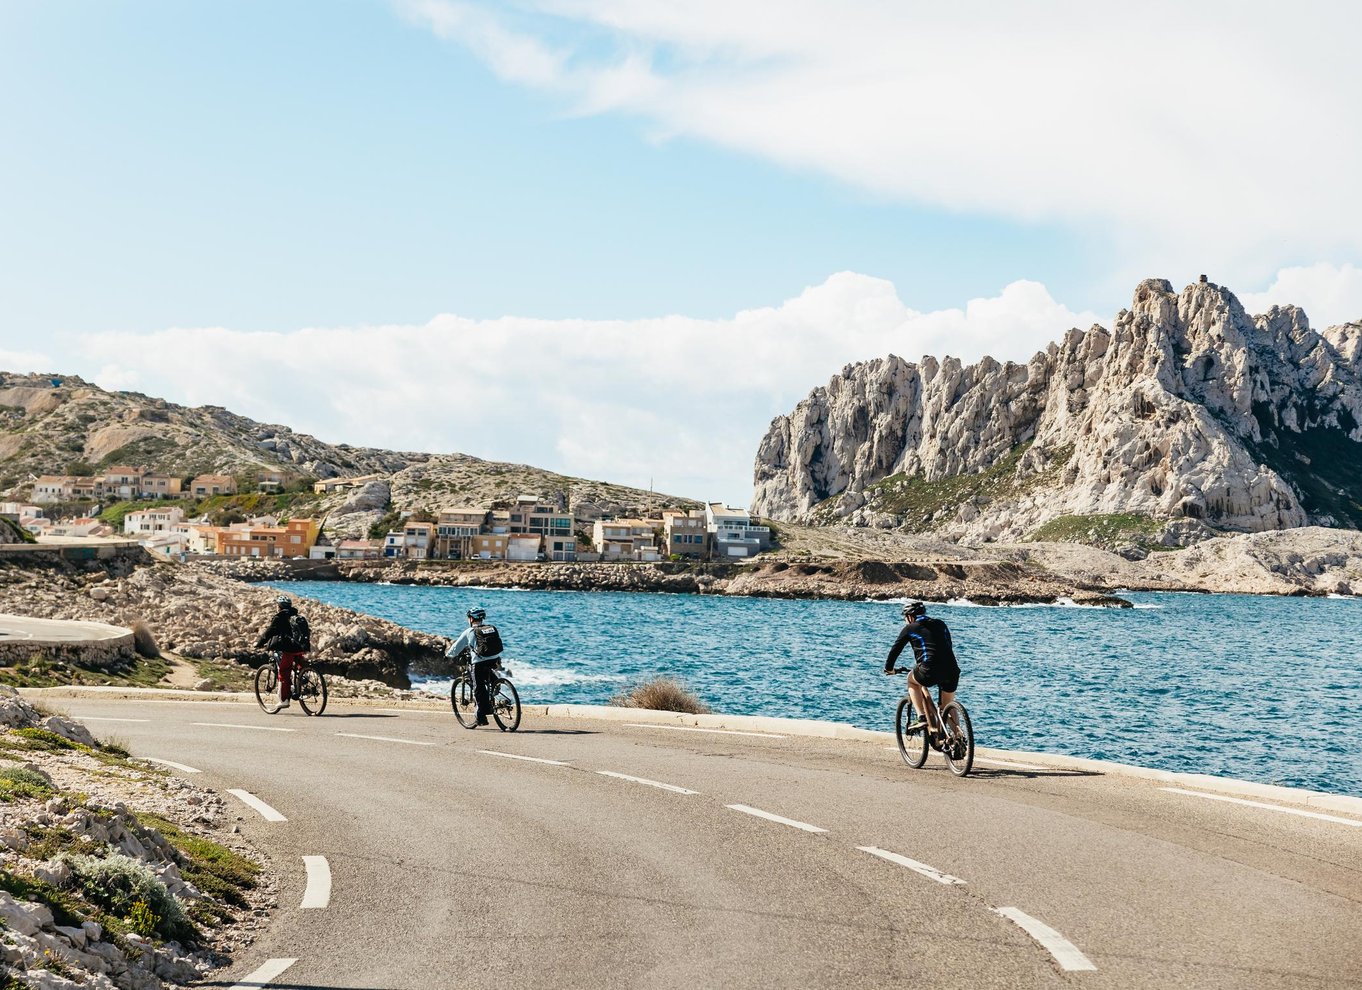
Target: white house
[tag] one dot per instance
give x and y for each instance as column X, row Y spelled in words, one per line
column 732, row 532
column 146, row 521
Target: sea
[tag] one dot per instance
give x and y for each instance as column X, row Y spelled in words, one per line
column 1254, row 687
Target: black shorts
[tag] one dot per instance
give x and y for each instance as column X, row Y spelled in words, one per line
column 945, row 678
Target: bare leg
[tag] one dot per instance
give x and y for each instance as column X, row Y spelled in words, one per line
column 946, row 698
column 920, row 701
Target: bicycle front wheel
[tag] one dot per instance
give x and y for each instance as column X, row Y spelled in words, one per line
column 267, row 688
column 506, row 706
column 309, row 688
column 910, row 727
column 958, row 747
column 463, row 701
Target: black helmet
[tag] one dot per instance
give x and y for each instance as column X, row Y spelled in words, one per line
column 914, row 609
column 477, row 614
column 284, row 601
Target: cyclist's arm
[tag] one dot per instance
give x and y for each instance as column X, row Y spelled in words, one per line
column 897, row 648
column 269, row 633
column 464, row 642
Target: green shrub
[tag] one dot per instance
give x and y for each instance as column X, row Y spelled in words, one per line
column 21, row 782
column 208, row 865
column 119, row 883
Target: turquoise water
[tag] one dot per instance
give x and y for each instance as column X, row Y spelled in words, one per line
column 1258, row 688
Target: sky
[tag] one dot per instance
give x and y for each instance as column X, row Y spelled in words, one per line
column 614, row 239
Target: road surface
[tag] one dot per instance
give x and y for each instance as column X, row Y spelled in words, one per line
column 580, row 853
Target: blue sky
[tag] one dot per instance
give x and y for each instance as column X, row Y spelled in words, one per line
column 219, row 181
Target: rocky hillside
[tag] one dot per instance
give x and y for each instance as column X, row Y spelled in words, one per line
column 1189, row 417
column 76, row 427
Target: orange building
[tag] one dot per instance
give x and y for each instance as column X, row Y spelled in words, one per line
column 293, row 539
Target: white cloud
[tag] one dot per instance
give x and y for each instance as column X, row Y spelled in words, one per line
column 1200, row 137
column 681, row 402
column 25, row 362
column 1329, row 294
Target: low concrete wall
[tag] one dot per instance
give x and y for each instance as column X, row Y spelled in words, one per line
column 90, row 644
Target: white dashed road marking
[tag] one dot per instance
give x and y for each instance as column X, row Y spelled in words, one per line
column 527, row 759
column 93, row 718
column 318, row 893
column 250, row 800
column 233, row 725
column 170, row 763
column 408, row 742
column 758, row 813
column 644, row 780
column 272, row 970
column 1065, row 952
column 930, row 872
column 1354, row 822
column 696, row 728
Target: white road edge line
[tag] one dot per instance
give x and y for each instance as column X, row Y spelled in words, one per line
column 644, row 780
column 758, row 813
column 251, row 801
column 170, row 763
column 407, row 742
column 99, row 718
column 272, row 970
column 1065, row 952
column 318, row 892
column 1354, row 822
column 527, row 759
column 930, row 872
column 696, row 728
column 233, row 725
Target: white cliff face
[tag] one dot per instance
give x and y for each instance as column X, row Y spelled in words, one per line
column 1188, row 409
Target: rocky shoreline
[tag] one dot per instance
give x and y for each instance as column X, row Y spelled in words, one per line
column 986, row 582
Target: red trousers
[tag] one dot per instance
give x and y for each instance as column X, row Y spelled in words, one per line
column 286, row 662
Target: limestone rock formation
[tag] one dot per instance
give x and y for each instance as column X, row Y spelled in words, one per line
column 1189, row 409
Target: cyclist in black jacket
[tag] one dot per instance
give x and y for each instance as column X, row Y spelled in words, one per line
column 935, row 665
column 278, row 635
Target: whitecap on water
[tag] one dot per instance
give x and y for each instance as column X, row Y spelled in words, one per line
column 530, row 676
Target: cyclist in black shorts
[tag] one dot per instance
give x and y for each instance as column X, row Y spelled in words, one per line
column 936, row 665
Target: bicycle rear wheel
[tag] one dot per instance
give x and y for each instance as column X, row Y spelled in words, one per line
column 309, row 688
column 910, row 727
column 267, row 688
column 958, row 747
column 463, row 701
column 506, row 705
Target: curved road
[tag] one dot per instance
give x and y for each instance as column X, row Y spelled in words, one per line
column 452, row 865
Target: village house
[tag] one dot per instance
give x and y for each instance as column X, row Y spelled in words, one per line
column 553, row 525
column 410, row 541
column 207, row 485
column 293, row 539
column 198, row 537
column 455, row 530
column 626, row 539
column 328, row 485
column 86, row 489
column 121, row 482
column 148, row 521
column 18, row 511
column 489, row 546
column 732, row 532
column 359, row 550
column 52, row 488
column 79, row 528
column 685, row 534
column 161, row 486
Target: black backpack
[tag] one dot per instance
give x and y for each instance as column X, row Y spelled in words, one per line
column 299, row 633
column 487, row 641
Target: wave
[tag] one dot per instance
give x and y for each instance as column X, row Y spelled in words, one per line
column 531, row 676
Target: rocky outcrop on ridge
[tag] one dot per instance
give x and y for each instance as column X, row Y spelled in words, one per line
column 1189, row 409
column 203, row 615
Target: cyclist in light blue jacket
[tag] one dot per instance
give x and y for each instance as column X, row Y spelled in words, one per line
column 479, row 644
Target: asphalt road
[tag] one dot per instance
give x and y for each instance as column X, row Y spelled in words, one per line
column 455, row 867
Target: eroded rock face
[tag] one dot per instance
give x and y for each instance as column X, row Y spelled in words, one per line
column 1188, row 409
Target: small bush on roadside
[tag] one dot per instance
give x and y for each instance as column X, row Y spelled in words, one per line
column 208, row 865
column 21, row 782
column 663, row 694
column 119, row 883
column 144, row 642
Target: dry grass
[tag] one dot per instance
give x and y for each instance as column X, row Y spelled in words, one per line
column 662, row 694
column 143, row 641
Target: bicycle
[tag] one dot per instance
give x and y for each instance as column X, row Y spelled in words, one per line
column 912, row 731
column 505, row 698
column 308, row 687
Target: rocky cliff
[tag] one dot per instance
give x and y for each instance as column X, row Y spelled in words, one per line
column 1190, row 416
